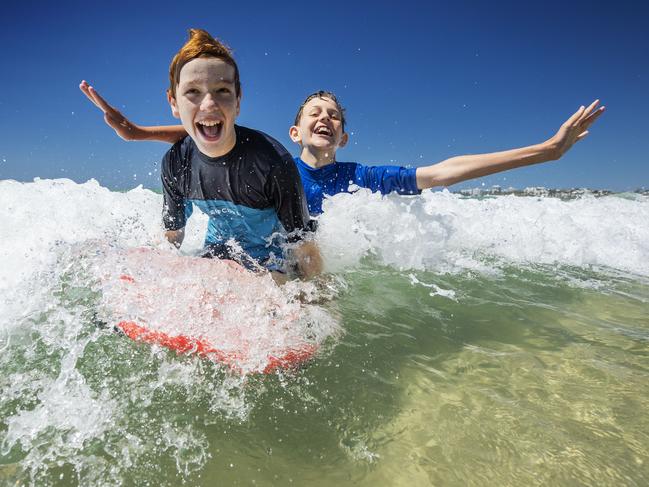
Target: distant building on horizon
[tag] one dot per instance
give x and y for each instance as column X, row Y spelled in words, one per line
column 540, row 192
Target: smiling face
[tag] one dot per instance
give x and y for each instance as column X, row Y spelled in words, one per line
column 319, row 130
column 207, row 104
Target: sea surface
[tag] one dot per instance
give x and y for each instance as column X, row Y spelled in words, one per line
column 463, row 342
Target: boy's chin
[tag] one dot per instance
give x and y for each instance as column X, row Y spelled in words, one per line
column 321, row 145
column 213, row 148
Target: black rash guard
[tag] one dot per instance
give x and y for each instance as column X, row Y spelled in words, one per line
column 253, row 196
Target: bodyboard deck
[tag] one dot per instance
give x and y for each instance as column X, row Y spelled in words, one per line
column 215, row 309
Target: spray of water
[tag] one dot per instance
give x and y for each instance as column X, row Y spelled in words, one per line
column 80, row 403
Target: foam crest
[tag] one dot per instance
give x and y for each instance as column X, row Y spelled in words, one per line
column 443, row 232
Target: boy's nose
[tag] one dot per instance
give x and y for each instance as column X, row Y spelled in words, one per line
column 207, row 102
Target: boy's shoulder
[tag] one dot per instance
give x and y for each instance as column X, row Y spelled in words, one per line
column 335, row 167
column 347, row 170
column 262, row 146
column 180, row 149
column 349, row 165
column 260, row 140
column 338, row 172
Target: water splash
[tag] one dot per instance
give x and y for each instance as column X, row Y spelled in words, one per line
column 443, row 232
column 82, row 405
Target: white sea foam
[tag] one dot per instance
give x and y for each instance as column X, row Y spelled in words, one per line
column 55, row 408
column 58, row 226
column 436, row 231
column 60, row 239
column 440, row 231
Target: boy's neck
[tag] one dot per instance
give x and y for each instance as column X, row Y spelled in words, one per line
column 317, row 159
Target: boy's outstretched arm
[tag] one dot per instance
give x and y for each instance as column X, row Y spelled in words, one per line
column 461, row 168
column 126, row 129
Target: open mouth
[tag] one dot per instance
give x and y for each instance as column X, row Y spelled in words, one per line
column 323, row 130
column 210, row 130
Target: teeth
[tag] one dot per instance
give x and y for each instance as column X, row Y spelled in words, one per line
column 323, row 130
column 208, row 123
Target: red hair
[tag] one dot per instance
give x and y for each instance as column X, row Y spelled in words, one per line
column 201, row 44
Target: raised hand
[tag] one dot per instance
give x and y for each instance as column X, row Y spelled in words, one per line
column 113, row 117
column 575, row 128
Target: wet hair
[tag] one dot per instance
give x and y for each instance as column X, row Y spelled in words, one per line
column 321, row 94
column 201, row 44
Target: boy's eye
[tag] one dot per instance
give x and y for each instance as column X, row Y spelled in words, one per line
column 191, row 91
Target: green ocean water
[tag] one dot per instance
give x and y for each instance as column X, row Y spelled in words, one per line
column 530, row 375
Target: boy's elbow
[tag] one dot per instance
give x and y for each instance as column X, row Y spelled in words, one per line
column 431, row 177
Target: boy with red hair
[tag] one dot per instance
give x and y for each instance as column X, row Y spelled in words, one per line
column 245, row 181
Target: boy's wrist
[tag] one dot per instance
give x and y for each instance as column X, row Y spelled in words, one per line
column 549, row 150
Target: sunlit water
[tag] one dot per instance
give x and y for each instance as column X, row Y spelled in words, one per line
column 501, row 341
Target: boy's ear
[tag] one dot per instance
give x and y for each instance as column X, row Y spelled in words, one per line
column 294, row 134
column 173, row 104
column 344, row 139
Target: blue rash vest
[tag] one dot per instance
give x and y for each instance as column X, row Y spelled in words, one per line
column 338, row 177
column 253, row 196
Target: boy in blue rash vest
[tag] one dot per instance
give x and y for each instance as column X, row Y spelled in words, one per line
column 244, row 180
column 319, row 130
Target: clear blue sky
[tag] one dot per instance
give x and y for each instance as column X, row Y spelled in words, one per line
column 421, row 82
